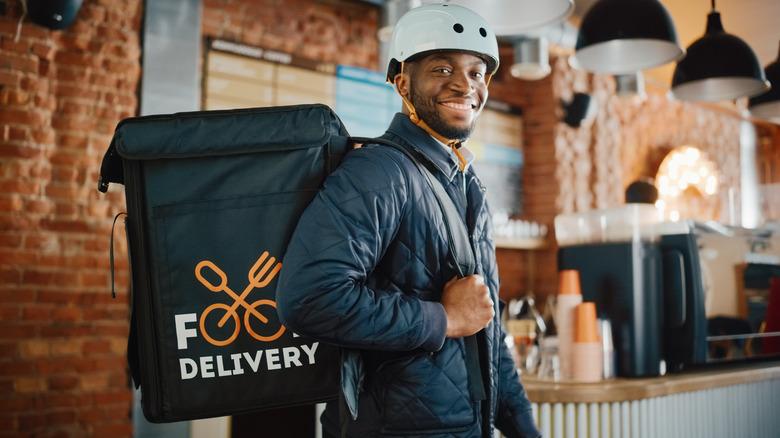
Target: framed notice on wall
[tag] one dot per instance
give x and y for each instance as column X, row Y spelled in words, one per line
column 242, row 76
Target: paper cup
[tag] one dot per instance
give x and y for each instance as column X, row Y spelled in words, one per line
column 585, row 323
column 569, row 282
column 586, row 361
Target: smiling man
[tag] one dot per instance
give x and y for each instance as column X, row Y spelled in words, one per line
column 369, row 266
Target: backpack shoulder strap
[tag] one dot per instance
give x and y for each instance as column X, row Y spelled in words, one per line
column 460, row 247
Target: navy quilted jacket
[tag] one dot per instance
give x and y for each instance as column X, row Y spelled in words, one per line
column 365, row 270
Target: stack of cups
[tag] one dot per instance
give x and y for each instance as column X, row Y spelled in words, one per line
column 586, row 354
column 569, row 297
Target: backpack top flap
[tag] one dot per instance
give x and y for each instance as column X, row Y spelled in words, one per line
column 229, row 132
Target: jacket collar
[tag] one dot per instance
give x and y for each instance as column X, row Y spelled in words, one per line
column 416, row 137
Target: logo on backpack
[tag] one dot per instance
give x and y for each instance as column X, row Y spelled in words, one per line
column 259, row 277
column 220, row 325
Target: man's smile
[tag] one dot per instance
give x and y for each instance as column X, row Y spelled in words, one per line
column 462, row 106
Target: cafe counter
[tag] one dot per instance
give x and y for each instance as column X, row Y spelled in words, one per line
column 729, row 400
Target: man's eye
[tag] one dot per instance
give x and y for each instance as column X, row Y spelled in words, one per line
column 442, row 70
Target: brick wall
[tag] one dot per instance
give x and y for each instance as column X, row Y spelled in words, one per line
column 336, row 31
column 62, row 341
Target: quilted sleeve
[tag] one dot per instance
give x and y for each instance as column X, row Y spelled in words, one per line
column 338, row 242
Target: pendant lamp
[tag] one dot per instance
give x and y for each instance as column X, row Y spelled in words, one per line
column 532, row 58
column 514, row 17
column 626, row 36
column 767, row 106
column 630, row 87
column 719, row 66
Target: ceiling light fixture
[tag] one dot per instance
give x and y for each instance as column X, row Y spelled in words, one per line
column 626, row 36
column 532, row 58
column 719, row 66
column 631, row 87
column 767, row 106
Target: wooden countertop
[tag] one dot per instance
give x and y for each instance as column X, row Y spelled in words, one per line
column 624, row 389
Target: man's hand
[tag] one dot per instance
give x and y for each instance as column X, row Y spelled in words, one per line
column 468, row 306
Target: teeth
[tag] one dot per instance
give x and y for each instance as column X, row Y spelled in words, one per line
column 458, row 106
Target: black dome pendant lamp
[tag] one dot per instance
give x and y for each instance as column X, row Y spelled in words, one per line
column 719, row 66
column 626, row 36
column 767, row 106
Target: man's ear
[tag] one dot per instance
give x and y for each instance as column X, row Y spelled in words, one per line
column 401, row 81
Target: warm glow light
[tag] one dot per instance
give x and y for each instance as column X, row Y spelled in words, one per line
column 685, row 174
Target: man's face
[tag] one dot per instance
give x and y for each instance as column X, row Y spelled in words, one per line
column 448, row 91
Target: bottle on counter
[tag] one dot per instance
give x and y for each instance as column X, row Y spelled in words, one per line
column 549, row 364
column 526, row 326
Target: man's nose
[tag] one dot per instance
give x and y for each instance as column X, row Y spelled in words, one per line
column 461, row 82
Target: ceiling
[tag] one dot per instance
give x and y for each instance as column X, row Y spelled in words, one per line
column 754, row 21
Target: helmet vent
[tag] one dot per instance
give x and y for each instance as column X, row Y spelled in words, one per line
column 482, row 32
column 457, row 27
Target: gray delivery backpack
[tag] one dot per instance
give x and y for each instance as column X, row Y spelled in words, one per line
column 213, row 198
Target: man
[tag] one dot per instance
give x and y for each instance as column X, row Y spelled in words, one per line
column 369, row 266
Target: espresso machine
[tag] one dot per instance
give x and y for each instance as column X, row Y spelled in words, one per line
column 644, row 277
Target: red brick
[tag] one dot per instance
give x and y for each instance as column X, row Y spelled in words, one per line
column 44, row 51
column 13, row 96
column 17, row 223
column 78, row 74
column 66, row 314
column 63, row 382
column 36, row 85
column 73, row 123
column 92, row 13
column 14, row 404
column 37, row 313
column 43, row 136
column 25, row 385
column 67, row 192
column 9, row 276
column 12, row 203
column 20, row 187
column 20, row 46
column 119, row 430
column 69, row 210
column 91, row 348
column 78, row 91
column 42, row 206
column 22, row 63
column 22, row 117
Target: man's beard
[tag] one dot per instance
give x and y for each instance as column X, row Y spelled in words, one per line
column 427, row 113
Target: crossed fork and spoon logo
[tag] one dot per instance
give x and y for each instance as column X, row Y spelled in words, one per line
column 261, row 273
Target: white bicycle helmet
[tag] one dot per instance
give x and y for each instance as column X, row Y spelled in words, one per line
column 440, row 28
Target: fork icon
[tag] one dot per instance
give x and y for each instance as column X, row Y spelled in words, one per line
column 261, row 273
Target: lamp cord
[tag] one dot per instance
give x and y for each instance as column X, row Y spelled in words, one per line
column 21, row 19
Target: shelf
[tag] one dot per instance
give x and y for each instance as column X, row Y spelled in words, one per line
column 520, row 243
